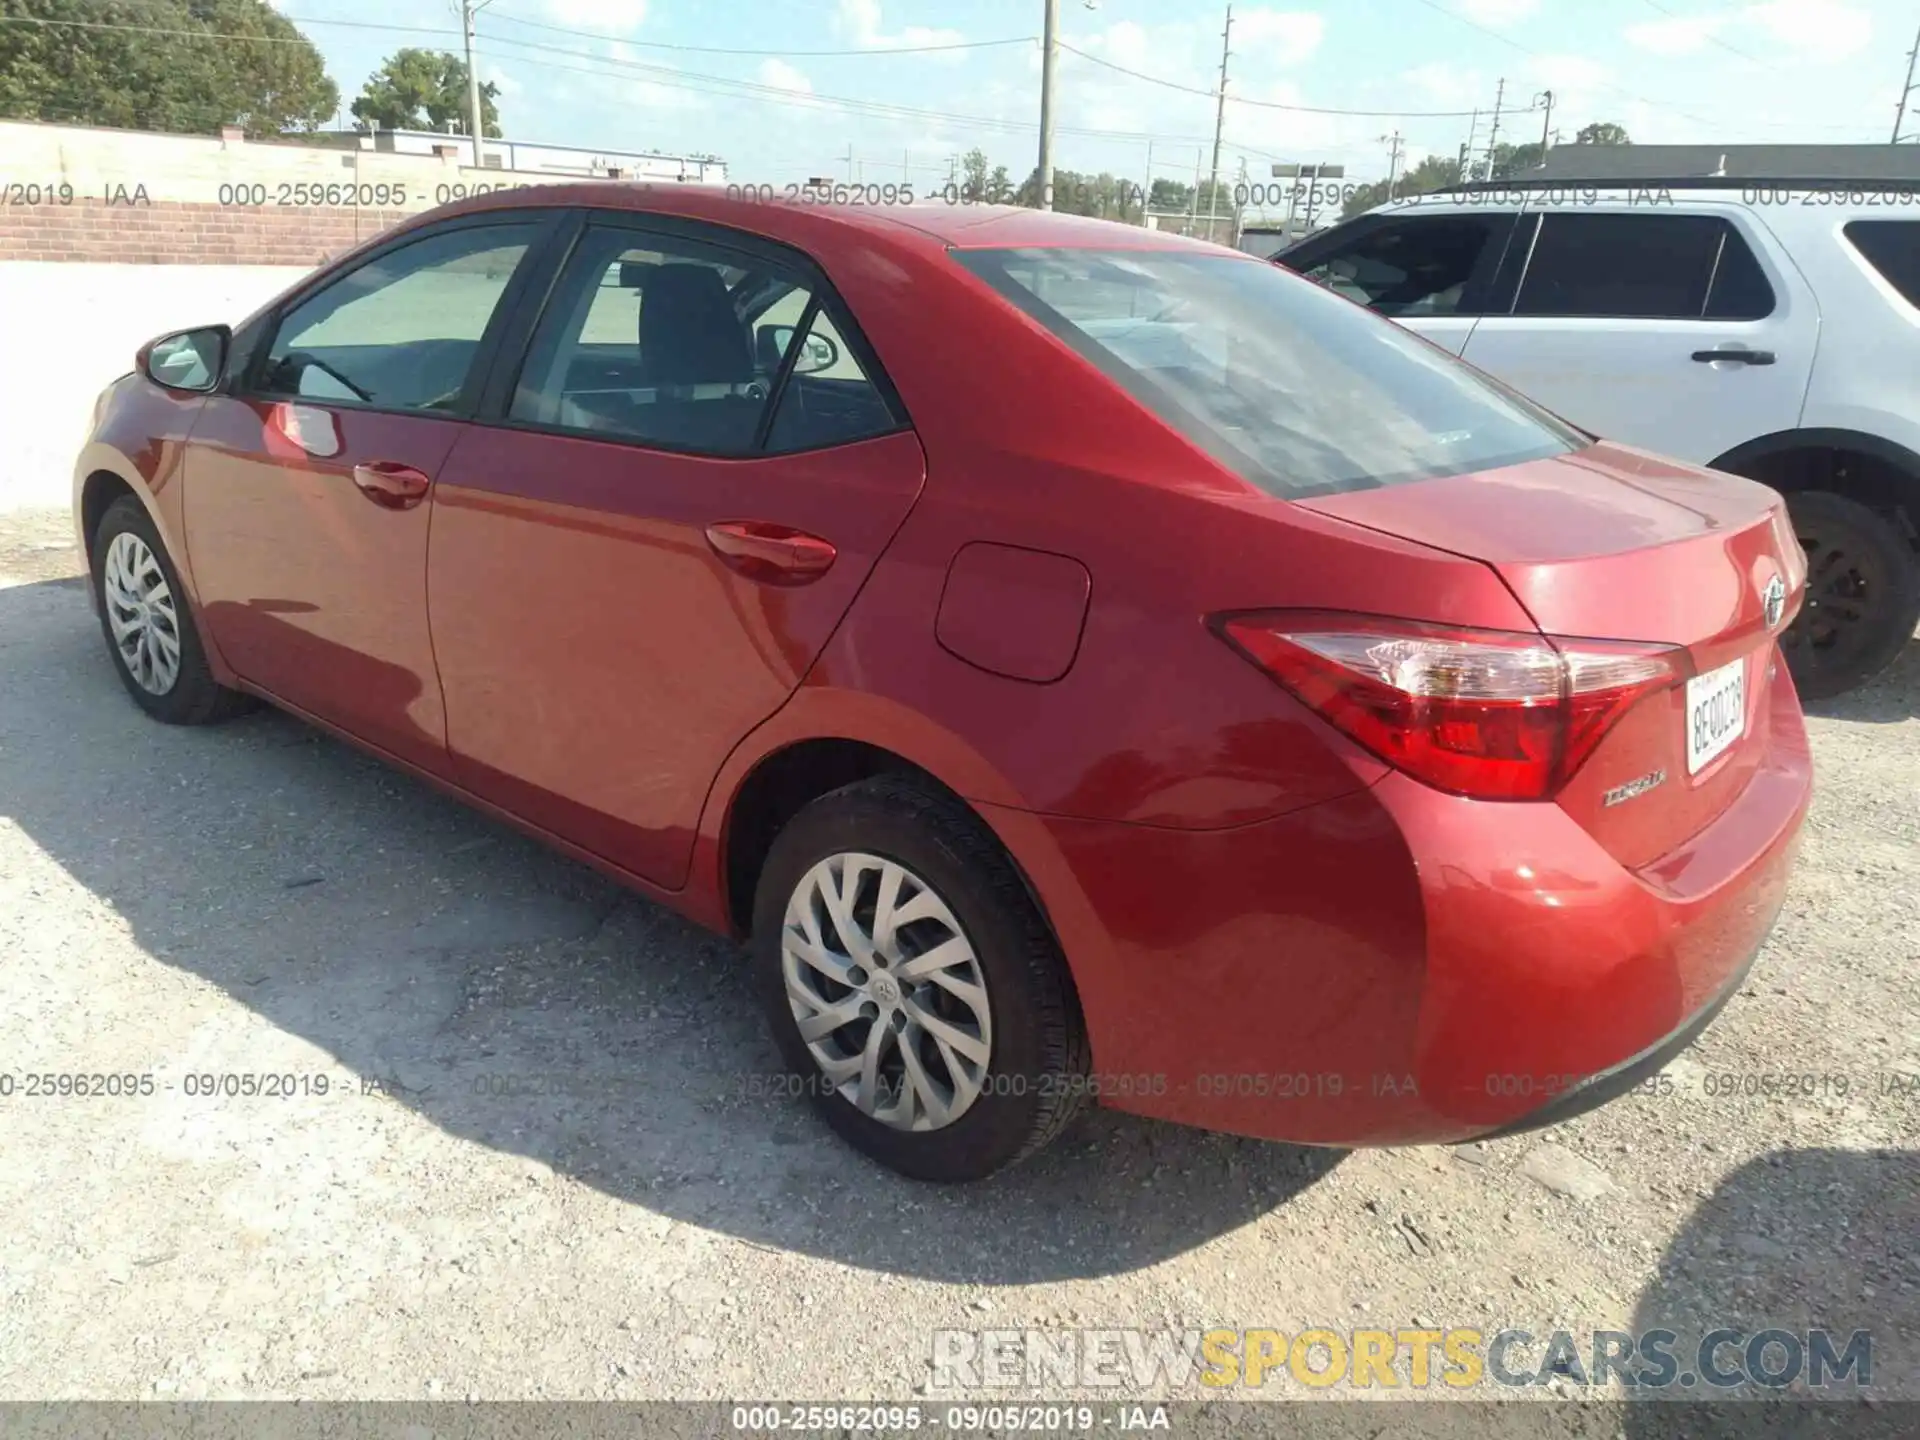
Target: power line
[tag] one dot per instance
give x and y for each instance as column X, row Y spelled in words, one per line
column 1709, row 36
column 671, row 78
column 787, row 52
column 1267, row 104
column 1508, row 40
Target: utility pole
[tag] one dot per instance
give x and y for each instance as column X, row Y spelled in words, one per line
column 1906, row 92
column 1146, row 195
column 849, row 162
column 1396, row 147
column 476, row 123
column 1466, row 149
column 1493, row 138
column 1219, row 121
column 1545, row 97
column 1049, row 54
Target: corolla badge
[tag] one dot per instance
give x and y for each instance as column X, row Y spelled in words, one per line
column 1633, row 789
column 1773, row 601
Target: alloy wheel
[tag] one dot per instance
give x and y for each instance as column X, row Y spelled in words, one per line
column 141, row 614
column 887, row 992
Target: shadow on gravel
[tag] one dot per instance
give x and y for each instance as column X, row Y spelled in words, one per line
column 1887, row 699
column 1798, row 1241
column 521, row 1001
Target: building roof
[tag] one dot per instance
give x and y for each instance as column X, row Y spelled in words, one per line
column 1755, row 162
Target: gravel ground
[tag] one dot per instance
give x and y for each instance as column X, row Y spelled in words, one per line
column 256, row 898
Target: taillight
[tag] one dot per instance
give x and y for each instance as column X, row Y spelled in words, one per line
column 1486, row 713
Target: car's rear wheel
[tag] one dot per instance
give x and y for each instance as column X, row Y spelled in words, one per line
column 1863, row 595
column 148, row 624
column 914, row 989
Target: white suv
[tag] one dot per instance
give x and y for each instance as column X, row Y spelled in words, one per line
column 1768, row 328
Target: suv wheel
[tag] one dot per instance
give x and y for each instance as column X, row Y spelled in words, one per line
column 915, row 991
column 148, row 624
column 1863, row 595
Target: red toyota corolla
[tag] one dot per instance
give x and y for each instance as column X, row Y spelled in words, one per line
column 1086, row 663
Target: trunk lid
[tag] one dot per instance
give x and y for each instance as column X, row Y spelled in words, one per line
column 1611, row 543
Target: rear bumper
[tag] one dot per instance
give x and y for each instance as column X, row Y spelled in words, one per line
column 1398, row 966
column 1597, row 1090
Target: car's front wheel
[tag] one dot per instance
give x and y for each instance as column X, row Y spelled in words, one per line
column 914, row 989
column 149, row 625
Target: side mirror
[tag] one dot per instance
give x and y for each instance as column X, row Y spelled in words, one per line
column 819, row 354
column 187, row 360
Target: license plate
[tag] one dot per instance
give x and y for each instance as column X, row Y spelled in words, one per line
column 1716, row 713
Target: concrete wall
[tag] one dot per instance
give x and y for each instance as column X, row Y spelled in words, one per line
column 110, row 237
column 79, row 194
column 72, row 328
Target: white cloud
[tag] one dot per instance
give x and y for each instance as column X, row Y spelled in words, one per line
column 1448, row 85
column 1681, row 35
column 1280, row 37
column 620, row 17
column 1498, row 13
column 1822, row 29
column 782, row 76
column 1125, row 43
column 860, row 21
column 1564, row 73
column 1818, row 30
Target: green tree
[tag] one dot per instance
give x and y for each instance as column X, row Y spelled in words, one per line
column 973, row 175
column 423, row 90
column 191, row 67
column 1601, row 132
column 1106, row 196
column 1436, row 172
column 1170, row 195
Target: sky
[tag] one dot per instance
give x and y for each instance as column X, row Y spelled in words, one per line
column 893, row 90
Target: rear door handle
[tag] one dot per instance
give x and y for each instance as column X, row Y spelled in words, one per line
column 1739, row 357
column 391, row 485
column 772, row 554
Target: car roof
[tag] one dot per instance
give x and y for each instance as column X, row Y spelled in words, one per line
column 796, row 220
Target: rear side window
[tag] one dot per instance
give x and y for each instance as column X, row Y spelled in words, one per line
column 1893, row 248
column 683, row 345
column 1643, row 267
column 1286, row 384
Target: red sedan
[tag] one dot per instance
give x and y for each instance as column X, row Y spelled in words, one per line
column 1088, row 664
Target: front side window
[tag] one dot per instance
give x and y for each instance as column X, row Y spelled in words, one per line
column 685, row 346
column 1291, row 387
column 1406, row 268
column 1643, row 267
column 401, row 331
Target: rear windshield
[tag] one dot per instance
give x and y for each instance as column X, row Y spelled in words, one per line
column 1299, row 391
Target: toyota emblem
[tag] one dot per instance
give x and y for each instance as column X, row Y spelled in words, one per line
column 1773, row 601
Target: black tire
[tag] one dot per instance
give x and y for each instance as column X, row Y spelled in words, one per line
column 1037, row 1069
column 1863, row 595
column 195, row 698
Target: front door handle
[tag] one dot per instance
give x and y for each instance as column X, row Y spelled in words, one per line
column 391, row 485
column 772, row 554
column 1739, row 357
